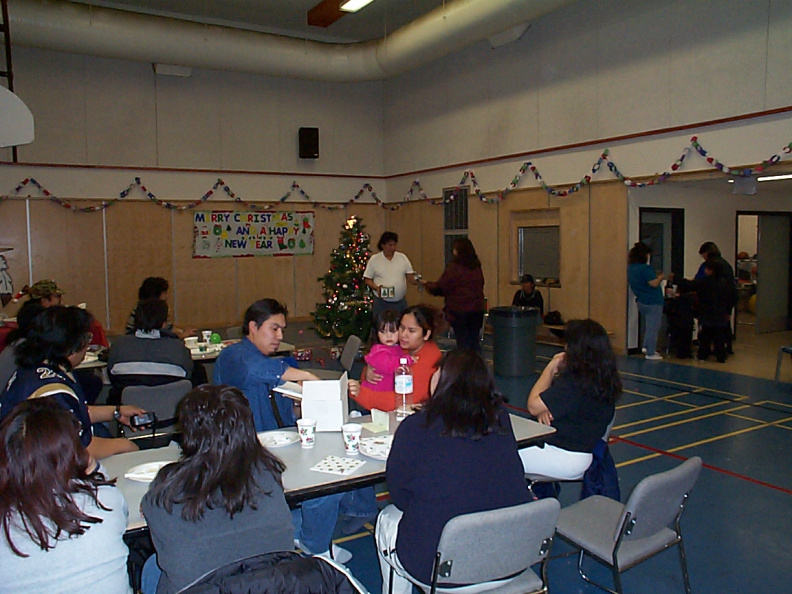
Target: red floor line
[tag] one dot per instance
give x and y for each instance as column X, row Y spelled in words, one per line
column 705, row 465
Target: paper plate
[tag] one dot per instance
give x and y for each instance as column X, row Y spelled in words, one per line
column 278, row 439
column 145, row 473
column 376, row 447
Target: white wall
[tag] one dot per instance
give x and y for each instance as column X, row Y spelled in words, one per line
column 96, row 111
column 596, row 70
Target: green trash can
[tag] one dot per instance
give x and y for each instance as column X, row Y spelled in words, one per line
column 514, row 340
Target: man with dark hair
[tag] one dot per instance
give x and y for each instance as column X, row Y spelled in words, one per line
column 387, row 273
column 156, row 287
column 249, row 366
column 150, row 356
column 528, row 296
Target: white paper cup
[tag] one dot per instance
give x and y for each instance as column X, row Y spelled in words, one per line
column 191, row 342
column 206, row 335
column 306, row 428
column 351, row 433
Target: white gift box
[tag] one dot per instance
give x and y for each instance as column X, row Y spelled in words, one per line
column 323, row 400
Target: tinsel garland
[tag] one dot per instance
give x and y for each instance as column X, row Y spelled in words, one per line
column 415, row 187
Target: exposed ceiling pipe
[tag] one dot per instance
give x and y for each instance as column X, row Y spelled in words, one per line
column 83, row 29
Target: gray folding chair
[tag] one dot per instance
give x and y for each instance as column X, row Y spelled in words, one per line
column 162, row 401
column 781, row 351
column 347, row 359
column 621, row 536
column 234, row 333
column 495, row 550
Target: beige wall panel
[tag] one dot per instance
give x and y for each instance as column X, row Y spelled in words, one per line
column 483, row 232
column 264, row 276
column 68, row 247
column 428, row 258
column 521, row 200
column 13, row 233
column 608, row 282
column 572, row 300
column 138, row 246
column 205, row 292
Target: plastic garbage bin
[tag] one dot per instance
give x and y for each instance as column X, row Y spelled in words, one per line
column 514, row 340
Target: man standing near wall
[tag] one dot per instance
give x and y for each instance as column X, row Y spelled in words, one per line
column 387, row 273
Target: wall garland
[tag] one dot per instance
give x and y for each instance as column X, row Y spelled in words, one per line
column 415, row 187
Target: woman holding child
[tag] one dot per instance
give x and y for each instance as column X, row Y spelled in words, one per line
column 413, row 335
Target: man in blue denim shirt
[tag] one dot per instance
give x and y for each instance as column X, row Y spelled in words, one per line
column 248, row 366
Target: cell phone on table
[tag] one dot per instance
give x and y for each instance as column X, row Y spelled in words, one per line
column 141, row 420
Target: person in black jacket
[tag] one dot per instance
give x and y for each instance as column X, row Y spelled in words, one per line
column 715, row 299
column 528, row 296
column 681, row 319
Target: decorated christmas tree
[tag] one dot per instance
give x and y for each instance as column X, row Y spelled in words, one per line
column 347, row 306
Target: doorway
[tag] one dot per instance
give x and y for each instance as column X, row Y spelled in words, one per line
column 663, row 230
column 764, row 273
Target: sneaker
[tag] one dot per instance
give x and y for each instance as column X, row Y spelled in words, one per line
column 654, row 357
column 335, row 553
column 643, row 350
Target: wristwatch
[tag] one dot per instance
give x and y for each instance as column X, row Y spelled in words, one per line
column 117, row 413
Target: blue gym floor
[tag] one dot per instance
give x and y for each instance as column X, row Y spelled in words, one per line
column 738, row 524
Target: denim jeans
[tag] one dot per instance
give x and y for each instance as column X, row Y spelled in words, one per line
column 653, row 318
column 315, row 520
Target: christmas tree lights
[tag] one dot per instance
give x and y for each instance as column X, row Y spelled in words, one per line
column 347, row 307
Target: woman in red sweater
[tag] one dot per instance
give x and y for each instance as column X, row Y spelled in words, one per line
column 416, row 327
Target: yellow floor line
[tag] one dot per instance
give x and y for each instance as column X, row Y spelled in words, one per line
column 651, row 399
column 698, row 388
column 705, row 441
column 673, row 414
column 683, row 422
column 369, row 530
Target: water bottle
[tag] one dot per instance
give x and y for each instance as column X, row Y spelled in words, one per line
column 403, row 384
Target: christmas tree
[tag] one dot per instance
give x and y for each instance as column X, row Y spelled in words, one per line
column 347, row 307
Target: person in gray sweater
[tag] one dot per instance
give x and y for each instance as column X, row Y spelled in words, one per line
column 61, row 521
column 221, row 502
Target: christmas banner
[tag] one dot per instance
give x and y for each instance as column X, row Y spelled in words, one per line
column 237, row 234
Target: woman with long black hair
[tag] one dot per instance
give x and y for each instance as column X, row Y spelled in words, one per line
column 576, row 393
column 456, row 455
column 222, row 501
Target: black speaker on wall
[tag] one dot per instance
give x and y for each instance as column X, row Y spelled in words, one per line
column 309, row 143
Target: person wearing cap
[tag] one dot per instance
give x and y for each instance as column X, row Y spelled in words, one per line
column 528, row 296
column 47, row 293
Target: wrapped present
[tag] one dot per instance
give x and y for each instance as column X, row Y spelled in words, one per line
column 303, row 354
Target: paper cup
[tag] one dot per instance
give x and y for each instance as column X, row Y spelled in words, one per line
column 307, row 431
column 191, row 342
column 351, row 432
column 206, row 335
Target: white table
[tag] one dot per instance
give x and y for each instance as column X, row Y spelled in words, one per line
column 299, row 482
column 213, row 351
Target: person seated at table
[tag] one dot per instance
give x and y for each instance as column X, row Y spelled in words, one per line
column 385, row 354
column 416, row 328
column 155, row 287
column 456, row 455
column 56, row 343
column 221, row 501
column 249, row 366
column 46, row 293
column 149, row 357
column 62, row 521
column 528, row 295
column 15, row 337
column 576, row 394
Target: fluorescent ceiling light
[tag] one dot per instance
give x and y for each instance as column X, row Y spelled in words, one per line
column 354, row 5
column 774, row 177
